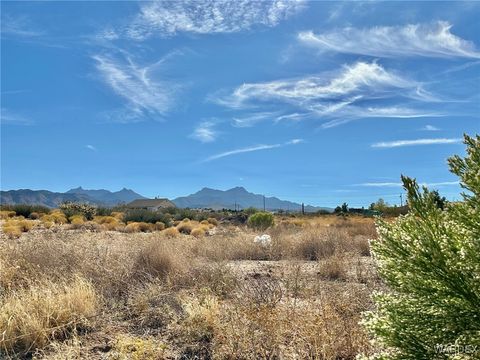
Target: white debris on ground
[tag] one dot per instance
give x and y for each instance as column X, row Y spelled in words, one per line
column 263, row 240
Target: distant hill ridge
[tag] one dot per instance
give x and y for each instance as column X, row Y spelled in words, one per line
column 237, row 197
column 107, row 197
column 53, row 199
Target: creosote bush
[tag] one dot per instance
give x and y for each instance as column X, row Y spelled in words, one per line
column 430, row 260
column 147, row 216
column 260, row 220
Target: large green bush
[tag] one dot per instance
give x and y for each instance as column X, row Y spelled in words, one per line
column 71, row 208
column 430, row 261
column 147, row 216
column 260, row 220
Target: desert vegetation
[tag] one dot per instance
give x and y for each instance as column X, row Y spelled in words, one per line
column 85, row 283
column 103, row 288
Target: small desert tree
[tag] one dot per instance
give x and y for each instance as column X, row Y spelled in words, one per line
column 260, row 220
column 430, row 260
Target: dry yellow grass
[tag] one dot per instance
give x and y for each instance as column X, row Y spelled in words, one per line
column 14, row 227
column 199, row 232
column 5, row 214
column 186, row 226
column 133, row 227
column 170, row 295
column 31, row 317
column 111, row 223
column 55, row 217
column 171, row 232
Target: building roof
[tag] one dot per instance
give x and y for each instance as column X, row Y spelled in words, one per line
column 147, row 203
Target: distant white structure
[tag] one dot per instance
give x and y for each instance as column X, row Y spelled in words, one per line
column 264, row 240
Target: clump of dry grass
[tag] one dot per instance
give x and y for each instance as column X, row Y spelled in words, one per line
column 138, row 227
column 5, row 214
column 159, row 226
column 315, row 244
column 185, row 227
column 152, row 306
column 35, row 215
column 76, row 221
column 31, row 317
column 137, row 348
column 55, row 217
column 157, row 259
column 333, row 268
column 327, row 329
column 213, row 221
column 198, row 232
column 14, row 227
column 199, row 326
column 111, row 223
column 171, row 232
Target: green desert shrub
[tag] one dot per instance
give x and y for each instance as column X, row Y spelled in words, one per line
column 104, row 211
column 26, row 210
column 71, row 208
column 430, row 262
column 260, row 220
column 147, row 216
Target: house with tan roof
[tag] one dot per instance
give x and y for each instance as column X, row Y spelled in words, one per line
column 150, row 204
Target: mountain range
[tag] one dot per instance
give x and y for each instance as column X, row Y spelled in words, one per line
column 235, row 198
column 240, row 198
column 53, row 199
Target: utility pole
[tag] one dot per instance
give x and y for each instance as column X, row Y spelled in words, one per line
column 263, row 202
column 401, row 199
column 303, row 208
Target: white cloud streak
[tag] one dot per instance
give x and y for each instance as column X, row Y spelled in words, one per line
column 8, row 117
column 91, row 147
column 355, row 82
column 145, row 94
column 18, row 26
column 430, row 128
column 401, row 143
column 252, row 148
column 253, row 118
column 168, row 18
column 430, row 40
column 337, row 97
column 205, row 132
column 399, row 184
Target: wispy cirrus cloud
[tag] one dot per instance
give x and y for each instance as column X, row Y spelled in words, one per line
column 205, row 132
column 7, row 117
column 416, row 142
column 358, row 80
column 251, row 119
column 399, row 184
column 337, row 97
column 379, row 112
column 253, row 148
column 145, row 93
column 19, row 26
column 430, row 40
column 168, row 18
column 430, row 128
column 91, row 147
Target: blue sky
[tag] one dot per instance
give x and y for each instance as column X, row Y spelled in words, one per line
column 315, row 102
